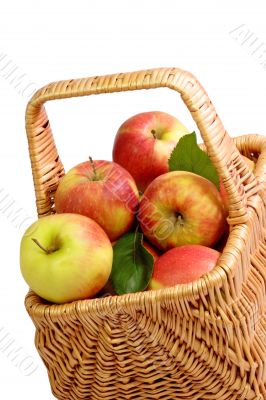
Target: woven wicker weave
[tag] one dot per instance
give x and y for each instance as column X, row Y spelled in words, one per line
column 204, row 340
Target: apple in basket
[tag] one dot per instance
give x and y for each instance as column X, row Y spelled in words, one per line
column 183, row 264
column 103, row 191
column 65, row 257
column 180, row 208
column 144, row 142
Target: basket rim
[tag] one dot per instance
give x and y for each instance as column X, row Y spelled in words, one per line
column 115, row 302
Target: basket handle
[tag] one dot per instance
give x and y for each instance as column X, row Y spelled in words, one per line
column 47, row 167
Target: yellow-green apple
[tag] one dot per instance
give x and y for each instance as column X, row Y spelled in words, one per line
column 65, row 257
column 103, row 191
column 143, row 145
column 183, row 264
column 180, row 208
column 223, row 192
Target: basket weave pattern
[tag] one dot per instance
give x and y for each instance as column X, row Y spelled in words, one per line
column 204, row 340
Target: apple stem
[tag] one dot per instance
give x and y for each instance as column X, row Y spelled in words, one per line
column 47, row 251
column 180, row 220
column 153, row 133
column 95, row 177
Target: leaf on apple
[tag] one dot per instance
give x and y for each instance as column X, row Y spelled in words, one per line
column 187, row 156
column 132, row 264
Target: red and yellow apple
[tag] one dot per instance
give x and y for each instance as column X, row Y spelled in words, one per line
column 180, row 208
column 183, row 264
column 103, row 191
column 65, row 257
column 143, row 145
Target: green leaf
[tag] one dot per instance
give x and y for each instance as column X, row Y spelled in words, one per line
column 132, row 264
column 187, row 156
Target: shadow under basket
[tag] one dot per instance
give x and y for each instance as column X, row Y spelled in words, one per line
column 204, row 340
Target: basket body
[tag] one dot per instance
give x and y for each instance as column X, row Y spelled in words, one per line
column 204, row 340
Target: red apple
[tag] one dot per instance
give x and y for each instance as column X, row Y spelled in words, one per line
column 103, row 191
column 65, row 257
column 180, row 208
column 144, row 143
column 183, row 264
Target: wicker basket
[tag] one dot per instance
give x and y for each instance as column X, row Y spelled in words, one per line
column 204, row 340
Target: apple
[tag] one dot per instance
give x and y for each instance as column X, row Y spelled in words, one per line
column 103, row 191
column 183, row 264
column 223, row 192
column 65, row 257
column 143, row 145
column 179, row 208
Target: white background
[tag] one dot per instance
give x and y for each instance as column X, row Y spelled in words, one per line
column 47, row 41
